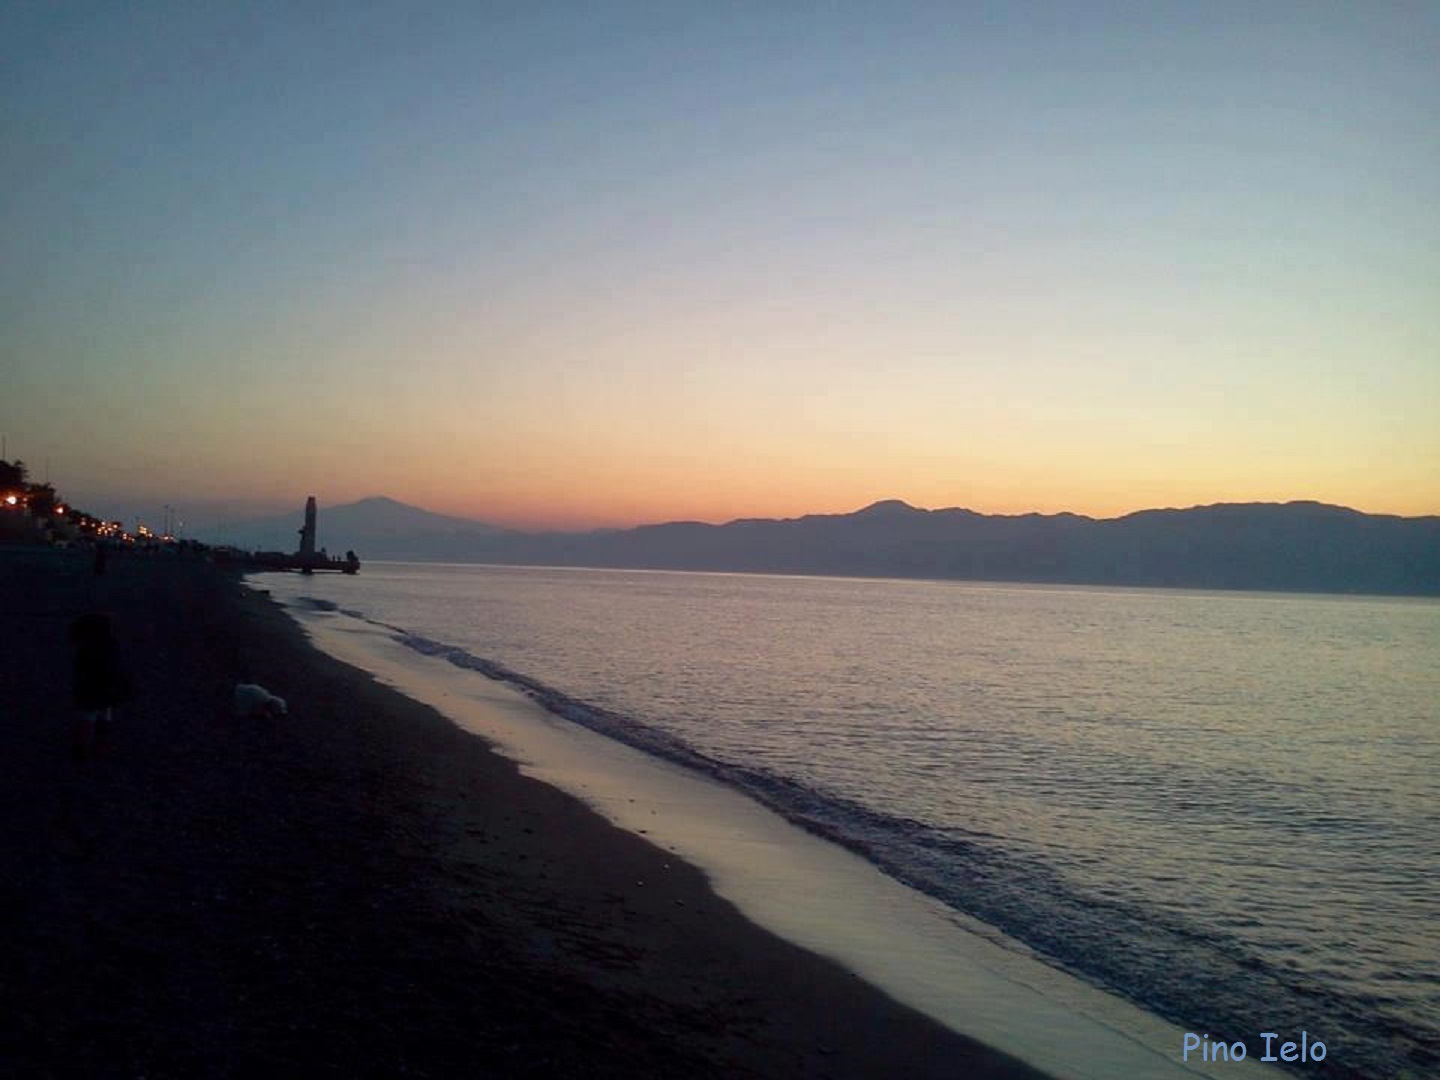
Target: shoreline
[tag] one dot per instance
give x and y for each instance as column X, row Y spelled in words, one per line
column 810, row 891
column 362, row 886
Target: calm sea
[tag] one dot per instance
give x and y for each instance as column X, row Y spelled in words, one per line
column 1223, row 806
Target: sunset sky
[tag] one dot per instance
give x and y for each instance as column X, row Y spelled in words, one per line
column 578, row 265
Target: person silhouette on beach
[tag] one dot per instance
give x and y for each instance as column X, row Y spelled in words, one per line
column 99, row 683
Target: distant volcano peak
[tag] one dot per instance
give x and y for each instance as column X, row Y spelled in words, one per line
column 889, row 507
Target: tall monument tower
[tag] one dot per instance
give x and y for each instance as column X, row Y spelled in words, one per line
column 307, row 534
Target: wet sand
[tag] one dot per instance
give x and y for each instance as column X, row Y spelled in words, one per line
column 360, row 889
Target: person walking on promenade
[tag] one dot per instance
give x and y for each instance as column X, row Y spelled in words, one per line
column 99, row 683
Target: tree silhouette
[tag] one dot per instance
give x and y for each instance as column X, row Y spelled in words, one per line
column 41, row 499
column 12, row 475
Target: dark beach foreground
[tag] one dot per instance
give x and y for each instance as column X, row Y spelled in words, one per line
column 359, row 889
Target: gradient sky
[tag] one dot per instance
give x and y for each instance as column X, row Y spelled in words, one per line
column 574, row 265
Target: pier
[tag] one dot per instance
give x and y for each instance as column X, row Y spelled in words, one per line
column 306, row 559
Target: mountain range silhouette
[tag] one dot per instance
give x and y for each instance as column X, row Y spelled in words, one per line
column 1295, row 546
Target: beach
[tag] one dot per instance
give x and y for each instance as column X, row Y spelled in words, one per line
column 360, row 887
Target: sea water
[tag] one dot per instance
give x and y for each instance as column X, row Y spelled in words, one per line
column 1221, row 806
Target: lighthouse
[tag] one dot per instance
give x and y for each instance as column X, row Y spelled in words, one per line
column 307, row 534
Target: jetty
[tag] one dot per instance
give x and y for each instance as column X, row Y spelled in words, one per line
column 306, row 559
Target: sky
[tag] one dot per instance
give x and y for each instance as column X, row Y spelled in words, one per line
column 566, row 266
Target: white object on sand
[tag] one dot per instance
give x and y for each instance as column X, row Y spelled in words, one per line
column 253, row 701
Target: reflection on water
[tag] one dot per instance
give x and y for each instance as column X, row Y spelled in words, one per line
column 1223, row 805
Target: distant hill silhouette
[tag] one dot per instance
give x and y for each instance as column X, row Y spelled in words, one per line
column 375, row 528
column 1297, row 546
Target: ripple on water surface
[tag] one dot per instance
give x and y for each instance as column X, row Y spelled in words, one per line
column 1222, row 805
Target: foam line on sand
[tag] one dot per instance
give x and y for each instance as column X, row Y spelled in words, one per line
column 811, row 892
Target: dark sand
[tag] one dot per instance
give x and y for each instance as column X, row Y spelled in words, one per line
column 360, row 889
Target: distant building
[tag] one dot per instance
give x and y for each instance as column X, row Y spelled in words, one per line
column 17, row 526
